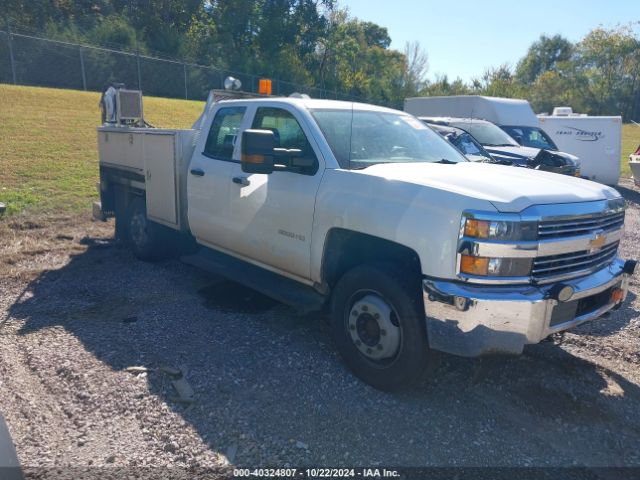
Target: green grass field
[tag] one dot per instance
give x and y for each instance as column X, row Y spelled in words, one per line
column 48, row 150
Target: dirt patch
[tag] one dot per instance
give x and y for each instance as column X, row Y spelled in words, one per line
column 25, row 225
column 31, row 244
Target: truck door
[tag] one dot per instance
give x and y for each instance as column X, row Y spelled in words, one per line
column 272, row 215
column 209, row 178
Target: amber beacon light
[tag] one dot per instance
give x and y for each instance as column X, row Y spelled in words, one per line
column 264, row 86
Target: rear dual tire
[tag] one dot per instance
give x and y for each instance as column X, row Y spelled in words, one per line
column 148, row 240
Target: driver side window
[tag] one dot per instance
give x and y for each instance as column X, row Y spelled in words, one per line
column 287, row 131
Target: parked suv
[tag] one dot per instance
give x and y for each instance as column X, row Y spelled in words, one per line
column 505, row 149
column 512, row 115
column 463, row 141
column 533, row 137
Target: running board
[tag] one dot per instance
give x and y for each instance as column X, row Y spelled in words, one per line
column 300, row 296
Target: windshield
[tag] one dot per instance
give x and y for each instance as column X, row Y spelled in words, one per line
column 488, row 134
column 531, row 137
column 361, row 138
column 470, row 147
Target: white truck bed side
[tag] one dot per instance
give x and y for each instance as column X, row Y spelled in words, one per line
column 161, row 157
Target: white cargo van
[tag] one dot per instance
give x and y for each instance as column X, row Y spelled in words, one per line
column 596, row 140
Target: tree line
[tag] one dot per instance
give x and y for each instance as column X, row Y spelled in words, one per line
column 319, row 44
column 598, row 75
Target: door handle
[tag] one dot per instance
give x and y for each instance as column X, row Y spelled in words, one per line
column 244, row 181
column 198, row 172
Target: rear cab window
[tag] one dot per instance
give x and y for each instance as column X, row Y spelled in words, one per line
column 223, row 133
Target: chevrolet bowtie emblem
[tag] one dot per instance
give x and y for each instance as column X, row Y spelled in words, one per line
column 597, row 242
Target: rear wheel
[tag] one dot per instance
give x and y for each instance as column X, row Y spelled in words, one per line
column 378, row 323
column 143, row 236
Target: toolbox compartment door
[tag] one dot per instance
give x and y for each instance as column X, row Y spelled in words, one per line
column 121, row 149
column 160, row 178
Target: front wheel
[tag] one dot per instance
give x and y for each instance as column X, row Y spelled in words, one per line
column 378, row 322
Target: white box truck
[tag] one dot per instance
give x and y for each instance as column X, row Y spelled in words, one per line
column 501, row 111
column 596, row 140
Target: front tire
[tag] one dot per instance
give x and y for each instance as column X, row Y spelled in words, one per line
column 378, row 323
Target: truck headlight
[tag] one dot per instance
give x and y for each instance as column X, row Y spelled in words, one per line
column 495, row 267
column 500, row 229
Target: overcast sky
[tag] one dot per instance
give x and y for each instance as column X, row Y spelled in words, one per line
column 463, row 37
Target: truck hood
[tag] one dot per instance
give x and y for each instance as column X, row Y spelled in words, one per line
column 509, row 189
column 515, row 152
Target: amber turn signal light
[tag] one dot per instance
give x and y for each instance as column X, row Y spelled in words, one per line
column 474, row 265
column 476, row 228
column 617, row 295
column 252, row 158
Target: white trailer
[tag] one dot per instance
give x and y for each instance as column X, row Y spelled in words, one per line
column 596, row 140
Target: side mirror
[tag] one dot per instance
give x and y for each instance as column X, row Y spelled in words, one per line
column 518, row 139
column 293, row 157
column 257, row 151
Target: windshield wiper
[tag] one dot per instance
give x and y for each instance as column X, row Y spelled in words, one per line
column 446, row 162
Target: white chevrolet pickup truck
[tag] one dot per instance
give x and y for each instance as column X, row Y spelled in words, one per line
column 369, row 213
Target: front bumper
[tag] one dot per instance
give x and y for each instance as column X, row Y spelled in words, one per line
column 472, row 320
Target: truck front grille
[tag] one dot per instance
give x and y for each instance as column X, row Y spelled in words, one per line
column 579, row 226
column 572, row 264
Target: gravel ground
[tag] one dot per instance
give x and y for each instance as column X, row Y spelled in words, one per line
column 76, row 310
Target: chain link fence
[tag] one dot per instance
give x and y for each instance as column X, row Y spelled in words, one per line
column 28, row 59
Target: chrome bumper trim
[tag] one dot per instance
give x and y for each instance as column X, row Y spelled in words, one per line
column 472, row 320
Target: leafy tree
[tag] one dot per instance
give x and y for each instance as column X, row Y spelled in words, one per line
column 497, row 82
column 552, row 89
column 115, row 31
column 416, row 66
column 609, row 60
column 543, row 55
column 442, row 87
column 355, row 59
